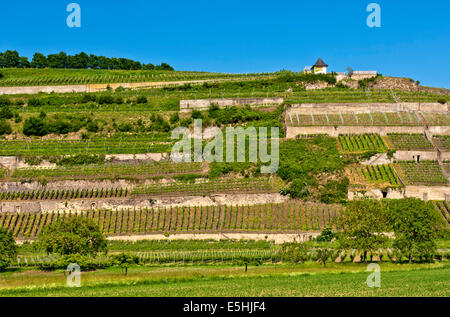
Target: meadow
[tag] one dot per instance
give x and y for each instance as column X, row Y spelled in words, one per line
column 309, row 279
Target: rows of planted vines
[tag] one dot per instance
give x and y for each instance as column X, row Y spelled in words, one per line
column 362, row 143
column 292, row 216
column 442, row 141
column 215, row 186
column 444, row 209
column 381, row 173
column 60, row 194
column 353, row 119
column 425, row 172
column 109, row 170
column 437, row 119
column 116, row 144
column 82, row 77
column 161, row 257
column 406, row 142
column 447, row 166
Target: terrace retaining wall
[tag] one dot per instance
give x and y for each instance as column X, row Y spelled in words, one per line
column 140, row 202
column 204, row 104
column 292, row 132
column 421, row 192
column 320, row 108
column 412, row 155
column 29, row 90
column 13, row 162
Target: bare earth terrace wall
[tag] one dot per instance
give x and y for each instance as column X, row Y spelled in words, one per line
column 204, row 104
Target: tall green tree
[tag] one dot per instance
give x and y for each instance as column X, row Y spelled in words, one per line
column 8, row 249
column 39, row 61
column 73, row 235
column 9, row 59
column 416, row 226
column 361, row 226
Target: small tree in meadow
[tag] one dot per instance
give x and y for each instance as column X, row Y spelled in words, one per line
column 124, row 260
column 246, row 261
column 323, row 255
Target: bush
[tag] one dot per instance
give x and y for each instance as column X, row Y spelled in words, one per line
column 106, row 99
column 5, row 102
column 442, row 101
column 196, row 114
column 5, row 127
column 92, row 127
column 35, row 126
column 125, row 127
column 335, row 191
column 174, row 118
column 326, row 235
column 35, row 102
column 141, row 99
column 159, row 124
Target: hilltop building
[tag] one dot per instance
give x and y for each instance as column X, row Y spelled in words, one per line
column 320, row 67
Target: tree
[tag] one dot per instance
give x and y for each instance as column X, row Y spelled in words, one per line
column 58, row 60
column 9, row 59
column 164, row 66
column 416, row 226
column 246, row 261
column 8, row 249
column 296, row 252
column 39, row 61
column 23, row 62
column 362, row 224
column 124, row 260
column 74, row 235
column 323, row 254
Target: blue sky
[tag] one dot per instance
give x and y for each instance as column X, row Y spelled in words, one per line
column 243, row 35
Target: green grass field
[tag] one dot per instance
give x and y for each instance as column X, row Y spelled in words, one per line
column 308, row 279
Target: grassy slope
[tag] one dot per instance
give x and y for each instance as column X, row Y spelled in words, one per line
column 303, row 280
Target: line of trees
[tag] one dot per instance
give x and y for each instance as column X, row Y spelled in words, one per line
column 12, row 59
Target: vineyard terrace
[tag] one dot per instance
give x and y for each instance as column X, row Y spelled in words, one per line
column 213, row 150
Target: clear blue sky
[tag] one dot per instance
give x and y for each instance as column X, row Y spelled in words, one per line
column 243, row 35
